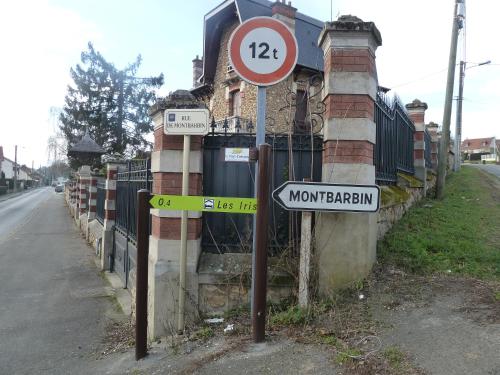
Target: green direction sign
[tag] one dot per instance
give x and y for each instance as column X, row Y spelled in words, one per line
column 206, row 204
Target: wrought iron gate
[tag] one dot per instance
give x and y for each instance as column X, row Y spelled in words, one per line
column 132, row 176
column 233, row 232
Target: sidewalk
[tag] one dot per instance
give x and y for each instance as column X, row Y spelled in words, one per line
column 54, row 308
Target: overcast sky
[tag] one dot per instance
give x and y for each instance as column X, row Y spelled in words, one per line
column 42, row 39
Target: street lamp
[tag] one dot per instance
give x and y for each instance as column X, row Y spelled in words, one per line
column 458, row 122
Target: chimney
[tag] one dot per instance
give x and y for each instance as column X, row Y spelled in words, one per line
column 197, row 71
column 1, row 154
column 285, row 13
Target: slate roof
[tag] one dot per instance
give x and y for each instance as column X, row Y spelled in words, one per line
column 307, row 30
column 87, row 145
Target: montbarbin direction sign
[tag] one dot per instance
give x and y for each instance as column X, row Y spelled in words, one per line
column 316, row 196
column 205, row 204
column 186, row 121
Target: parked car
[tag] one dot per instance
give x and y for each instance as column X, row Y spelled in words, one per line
column 59, row 188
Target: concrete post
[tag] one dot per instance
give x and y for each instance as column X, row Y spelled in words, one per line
column 416, row 111
column 346, row 242
column 109, row 215
column 164, row 243
column 432, row 128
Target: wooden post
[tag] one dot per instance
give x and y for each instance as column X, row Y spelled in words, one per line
column 141, row 294
column 259, row 290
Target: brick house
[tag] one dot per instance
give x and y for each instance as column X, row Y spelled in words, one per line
column 291, row 103
column 484, row 149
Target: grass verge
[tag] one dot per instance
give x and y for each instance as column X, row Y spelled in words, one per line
column 459, row 234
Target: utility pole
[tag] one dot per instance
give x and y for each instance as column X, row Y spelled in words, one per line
column 460, row 99
column 445, row 133
column 458, row 124
column 15, row 168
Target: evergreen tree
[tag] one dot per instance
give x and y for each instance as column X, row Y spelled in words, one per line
column 113, row 104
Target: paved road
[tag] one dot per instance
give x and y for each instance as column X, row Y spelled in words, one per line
column 52, row 310
column 490, row 168
column 14, row 211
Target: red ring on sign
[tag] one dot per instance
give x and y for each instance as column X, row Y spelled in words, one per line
column 257, row 78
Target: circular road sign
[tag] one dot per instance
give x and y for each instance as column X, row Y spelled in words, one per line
column 263, row 51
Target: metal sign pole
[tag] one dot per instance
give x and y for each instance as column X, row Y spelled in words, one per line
column 259, row 140
column 141, row 295
column 184, row 224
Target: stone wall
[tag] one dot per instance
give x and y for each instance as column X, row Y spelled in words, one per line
column 397, row 200
column 224, row 282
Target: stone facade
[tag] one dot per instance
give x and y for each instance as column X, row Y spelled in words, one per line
column 279, row 112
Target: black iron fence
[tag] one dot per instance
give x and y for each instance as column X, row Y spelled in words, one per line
column 293, row 158
column 101, row 198
column 428, row 149
column 133, row 176
column 233, row 124
column 394, row 147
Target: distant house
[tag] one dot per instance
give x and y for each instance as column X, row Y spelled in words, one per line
column 7, row 167
column 498, row 150
column 480, row 149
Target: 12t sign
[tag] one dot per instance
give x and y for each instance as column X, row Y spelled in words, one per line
column 263, row 51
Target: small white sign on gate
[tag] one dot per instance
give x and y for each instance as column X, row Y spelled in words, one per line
column 237, row 154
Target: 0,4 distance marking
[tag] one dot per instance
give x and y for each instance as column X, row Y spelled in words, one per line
column 205, row 204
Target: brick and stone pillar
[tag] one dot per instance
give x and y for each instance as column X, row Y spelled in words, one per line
column 92, row 191
column 77, row 195
column 416, row 110
column 346, row 242
column 83, row 196
column 74, row 198
column 164, row 243
column 432, row 128
column 109, row 215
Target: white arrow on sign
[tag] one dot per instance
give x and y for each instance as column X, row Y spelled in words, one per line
column 317, row 196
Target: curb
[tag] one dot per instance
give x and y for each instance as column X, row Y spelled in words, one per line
column 121, row 294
